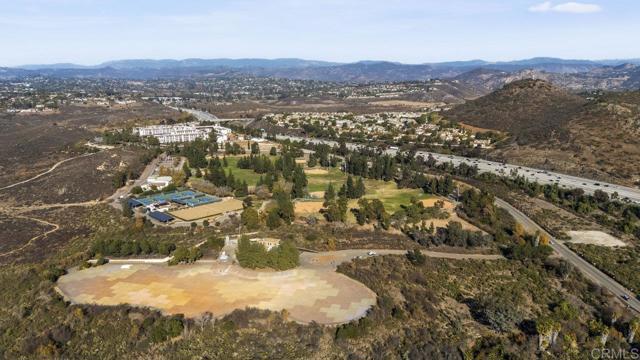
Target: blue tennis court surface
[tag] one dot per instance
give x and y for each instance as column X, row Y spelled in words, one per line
column 189, row 198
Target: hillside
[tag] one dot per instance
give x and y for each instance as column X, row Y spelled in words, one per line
column 530, row 110
column 595, row 136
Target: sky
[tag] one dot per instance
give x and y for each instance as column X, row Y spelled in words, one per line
column 410, row 31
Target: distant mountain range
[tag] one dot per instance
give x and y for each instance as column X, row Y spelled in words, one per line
column 482, row 75
column 302, row 63
column 188, row 63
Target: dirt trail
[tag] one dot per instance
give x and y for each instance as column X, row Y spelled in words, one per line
column 28, row 208
column 30, row 242
column 46, row 172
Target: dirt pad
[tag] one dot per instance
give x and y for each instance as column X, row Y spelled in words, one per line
column 209, row 210
column 308, row 294
column 595, row 238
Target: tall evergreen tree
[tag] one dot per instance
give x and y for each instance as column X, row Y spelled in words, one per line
column 329, row 195
column 360, row 188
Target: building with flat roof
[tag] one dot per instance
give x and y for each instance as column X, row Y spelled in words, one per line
column 156, row 182
column 177, row 133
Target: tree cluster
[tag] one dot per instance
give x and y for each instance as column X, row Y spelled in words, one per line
column 334, row 206
column 371, row 211
column 119, row 247
column 254, row 255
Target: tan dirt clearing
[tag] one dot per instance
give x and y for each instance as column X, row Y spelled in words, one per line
column 209, row 210
column 595, row 238
column 307, row 294
column 308, row 207
column 316, row 171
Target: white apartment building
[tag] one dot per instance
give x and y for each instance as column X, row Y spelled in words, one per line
column 167, row 134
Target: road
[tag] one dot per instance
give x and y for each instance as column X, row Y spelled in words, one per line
column 46, row 172
column 208, row 117
column 540, row 176
column 114, row 200
column 532, row 174
column 590, row 271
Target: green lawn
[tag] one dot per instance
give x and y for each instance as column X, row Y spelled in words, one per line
column 247, row 175
column 320, row 182
column 320, row 178
column 386, row 191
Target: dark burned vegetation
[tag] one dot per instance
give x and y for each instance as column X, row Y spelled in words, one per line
column 31, row 144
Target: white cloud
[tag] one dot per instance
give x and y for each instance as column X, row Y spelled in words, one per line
column 569, row 7
column 577, row 8
column 544, row 7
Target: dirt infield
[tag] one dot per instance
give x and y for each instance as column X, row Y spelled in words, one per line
column 209, row 210
column 307, row 294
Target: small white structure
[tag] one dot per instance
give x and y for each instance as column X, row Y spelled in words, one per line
column 268, row 243
column 159, row 182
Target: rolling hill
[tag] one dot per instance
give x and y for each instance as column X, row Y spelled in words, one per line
column 594, row 135
column 530, row 110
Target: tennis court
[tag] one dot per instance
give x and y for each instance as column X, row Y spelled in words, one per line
column 189, row 198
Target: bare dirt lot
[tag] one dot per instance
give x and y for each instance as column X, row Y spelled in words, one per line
column 307, row 294
column 595, row 238
column 209, row 210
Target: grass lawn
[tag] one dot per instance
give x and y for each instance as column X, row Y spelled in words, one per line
column 320, row 182
column 319, row 179
column 386, row 191
column 247, row 175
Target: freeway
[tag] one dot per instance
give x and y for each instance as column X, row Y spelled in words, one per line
column 209, row 117
column 590, row 271
column 531, row 174
column 201, row 115
column 540, row 176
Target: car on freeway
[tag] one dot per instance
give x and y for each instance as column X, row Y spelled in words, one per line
column 625, row 297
